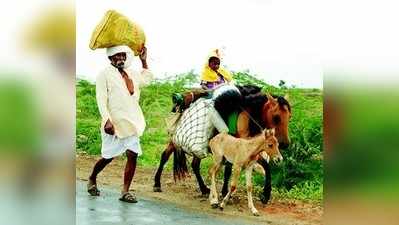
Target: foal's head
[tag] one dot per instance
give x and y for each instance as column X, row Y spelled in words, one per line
column 271, row 145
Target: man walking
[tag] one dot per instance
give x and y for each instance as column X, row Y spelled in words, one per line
column 118, row 93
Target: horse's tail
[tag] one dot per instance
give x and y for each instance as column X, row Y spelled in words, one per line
column 180, row 170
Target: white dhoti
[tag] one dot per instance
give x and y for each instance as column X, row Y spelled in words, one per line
column 113, row 146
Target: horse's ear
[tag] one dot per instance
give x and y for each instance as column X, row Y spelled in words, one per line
column 268, row 132
column 286, row 97
column 272, row 131
column 270, row 98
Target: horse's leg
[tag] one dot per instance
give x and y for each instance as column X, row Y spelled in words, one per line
column 195, row 164
column 164, row 158
column 227, row 175
column 267, row 189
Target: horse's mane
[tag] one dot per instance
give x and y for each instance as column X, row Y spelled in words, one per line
column 253, row 100
column 282, row 102
column 227, row 103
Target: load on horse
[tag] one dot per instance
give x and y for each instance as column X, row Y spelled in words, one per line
column 243, row 110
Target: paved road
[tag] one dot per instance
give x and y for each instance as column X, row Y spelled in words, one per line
column 107, row 209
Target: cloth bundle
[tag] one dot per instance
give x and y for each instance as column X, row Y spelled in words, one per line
column 116, row 29
column 196, row 126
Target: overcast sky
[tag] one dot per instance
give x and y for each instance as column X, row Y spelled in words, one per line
column 291, row 40
column 272, row 39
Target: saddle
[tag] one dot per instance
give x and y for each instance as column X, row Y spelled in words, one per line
column 181, row 101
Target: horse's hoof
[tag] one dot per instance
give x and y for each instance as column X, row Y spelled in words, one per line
column 215, row 205
column 255, row 213
column 206, row 191
column 221, row 208
column 264, row 199
column 157, row 189
column 204, row 195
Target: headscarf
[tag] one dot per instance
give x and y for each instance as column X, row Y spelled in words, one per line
column 121, row 48
column 211, row 76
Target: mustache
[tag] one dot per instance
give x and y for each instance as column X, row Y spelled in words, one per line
column 119, row 63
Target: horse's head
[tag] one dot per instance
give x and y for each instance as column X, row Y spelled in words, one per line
column 276, row 114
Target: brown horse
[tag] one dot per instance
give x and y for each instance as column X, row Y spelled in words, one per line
column 262, row 111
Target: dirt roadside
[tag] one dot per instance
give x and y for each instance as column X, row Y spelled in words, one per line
column 186, row 195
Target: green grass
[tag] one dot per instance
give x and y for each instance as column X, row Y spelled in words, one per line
column 300, row 176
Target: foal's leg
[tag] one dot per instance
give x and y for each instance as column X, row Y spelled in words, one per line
column 195, row 165
column 233, row 186
column 248, row 178
column 164, row 158
column 267, row 189
column 213, row 196
column 227, row 175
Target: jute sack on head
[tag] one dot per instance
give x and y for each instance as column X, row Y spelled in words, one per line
column 116, row 29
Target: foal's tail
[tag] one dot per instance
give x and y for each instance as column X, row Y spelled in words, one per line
column 180, row 170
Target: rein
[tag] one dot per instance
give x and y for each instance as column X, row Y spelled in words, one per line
column 251, row 118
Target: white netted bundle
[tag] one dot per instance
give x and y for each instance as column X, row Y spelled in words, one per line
column 196, row 126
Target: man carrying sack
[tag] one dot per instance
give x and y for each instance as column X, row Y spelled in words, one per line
column 117, row 94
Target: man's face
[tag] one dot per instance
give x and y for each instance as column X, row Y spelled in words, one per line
column 214, row 63
column 118, row 60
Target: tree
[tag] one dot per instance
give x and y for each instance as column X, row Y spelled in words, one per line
column 282, row 85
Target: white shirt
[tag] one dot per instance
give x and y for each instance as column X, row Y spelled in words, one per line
column 115, row 102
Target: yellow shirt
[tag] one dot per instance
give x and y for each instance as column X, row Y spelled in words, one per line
column 115, row 102
column 209, row 75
